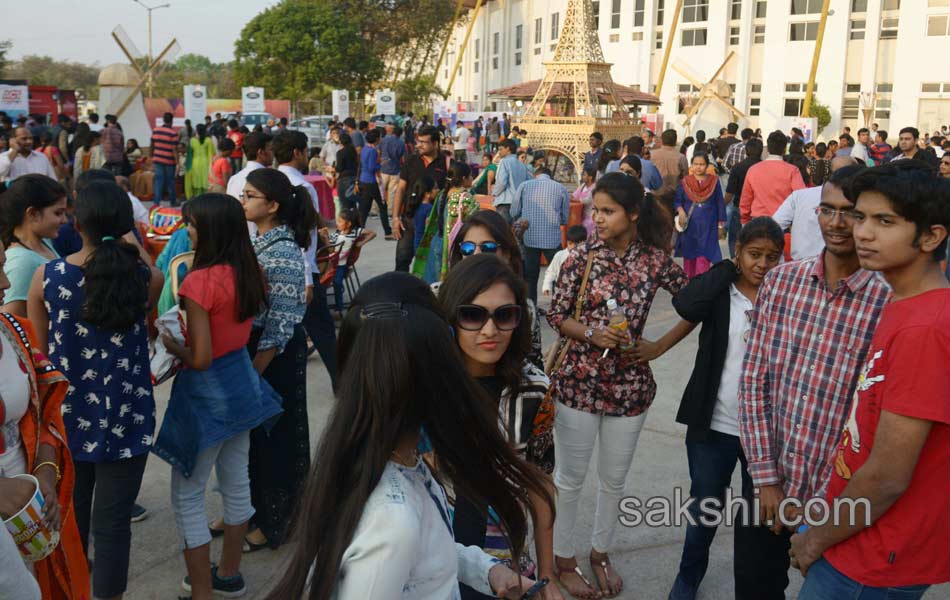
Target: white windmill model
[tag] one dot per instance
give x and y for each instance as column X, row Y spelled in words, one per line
column 120, row 86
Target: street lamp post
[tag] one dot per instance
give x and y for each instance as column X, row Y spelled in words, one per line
column 150, row 9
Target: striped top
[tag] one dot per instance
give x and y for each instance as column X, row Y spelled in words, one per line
column 164, row 142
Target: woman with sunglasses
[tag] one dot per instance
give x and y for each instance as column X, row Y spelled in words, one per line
column 487, row 232
column 602, row 391
column 485, row 302
column 721, row 300
column 372, row 511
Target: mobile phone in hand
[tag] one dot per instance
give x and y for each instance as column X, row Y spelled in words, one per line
column 536, row 588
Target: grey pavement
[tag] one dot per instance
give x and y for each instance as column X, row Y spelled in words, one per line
column 646, row 557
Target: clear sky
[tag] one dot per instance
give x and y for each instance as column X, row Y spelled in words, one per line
column 79, row 30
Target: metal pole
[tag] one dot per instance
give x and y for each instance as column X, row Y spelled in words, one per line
column 810, row 90
column 149, row 52
column 670, row 41
column 468, row 34
column 445, row 44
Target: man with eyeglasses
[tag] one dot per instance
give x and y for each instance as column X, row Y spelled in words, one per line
column 21, row 159
column 800, row 210
column 811, row 328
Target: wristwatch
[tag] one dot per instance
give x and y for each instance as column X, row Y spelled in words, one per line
column 589, row 334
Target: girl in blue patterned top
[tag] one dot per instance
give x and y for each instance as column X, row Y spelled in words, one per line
column 89, row 309
column 279, row 457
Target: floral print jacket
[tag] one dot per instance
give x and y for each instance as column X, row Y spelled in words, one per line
column 614, row 385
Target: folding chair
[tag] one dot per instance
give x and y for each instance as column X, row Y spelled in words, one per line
column 352, row 282
column 185, row 258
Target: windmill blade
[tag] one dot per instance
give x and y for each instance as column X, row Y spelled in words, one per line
column 128, row 100
column 722, row 66
column 128, row 47
column 168, row 55
column 729, row 105
column 696, row 83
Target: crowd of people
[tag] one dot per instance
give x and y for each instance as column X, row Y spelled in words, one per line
column 821, row 367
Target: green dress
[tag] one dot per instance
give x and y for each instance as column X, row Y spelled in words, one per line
column 456, row 200
column 200, row 155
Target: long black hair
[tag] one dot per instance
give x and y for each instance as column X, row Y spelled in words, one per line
column 458, row 171
column 28, row 191
column 655, row 226
column 420, row 187
column 393, row 332
column 202, row 132
column 610, row 153
column 221, row 229
column 116, row 288
column 500, row 231
column 470, row 278
column 295, row 210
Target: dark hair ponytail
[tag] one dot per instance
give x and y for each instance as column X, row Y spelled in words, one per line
column 458, row 171
column 116, row 288
column 655, row 225
column 29, row 191
column 295, row 206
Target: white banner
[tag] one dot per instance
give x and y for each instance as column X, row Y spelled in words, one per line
column 252, row 99
column 386, row 102
column 808, row 125
column 14, row 100
column 341, row 103
column 196, row 103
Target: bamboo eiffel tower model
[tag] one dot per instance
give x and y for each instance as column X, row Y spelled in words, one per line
column 591, row 102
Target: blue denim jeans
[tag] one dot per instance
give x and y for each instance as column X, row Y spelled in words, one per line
column 339, row 285
column 733, row 226
column 824, row 582
column 164, row 177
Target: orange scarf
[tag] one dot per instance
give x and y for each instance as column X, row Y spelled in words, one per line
column 699, row 191
column 64, row 574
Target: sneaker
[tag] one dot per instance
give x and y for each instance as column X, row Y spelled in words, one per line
column 226, row 587
column 139, row 513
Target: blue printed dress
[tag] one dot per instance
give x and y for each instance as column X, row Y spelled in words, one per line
column 109, row 410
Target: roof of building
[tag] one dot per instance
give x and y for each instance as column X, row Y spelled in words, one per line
column 527, row 89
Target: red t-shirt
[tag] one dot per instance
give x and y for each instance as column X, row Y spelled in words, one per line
column 214, row 289
column 238, row 138
column 220, row 172
column 908, row 373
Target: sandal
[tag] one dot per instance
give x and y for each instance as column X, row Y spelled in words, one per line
column 592, row 591
column 604, row 563
column 250, row 546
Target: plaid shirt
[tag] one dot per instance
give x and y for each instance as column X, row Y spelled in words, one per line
column 801, row 367
column 546, row 205
column 734, row 156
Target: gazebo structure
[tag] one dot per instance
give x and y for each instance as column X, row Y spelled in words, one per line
column 577, row 95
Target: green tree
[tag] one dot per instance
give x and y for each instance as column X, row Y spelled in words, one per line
column 821, row 112
column 44, row 70
column 5, row 46
column 298, row 48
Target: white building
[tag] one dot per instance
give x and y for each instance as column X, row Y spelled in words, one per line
column 896, row 50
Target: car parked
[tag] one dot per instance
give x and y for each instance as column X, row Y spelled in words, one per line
column 314, row 126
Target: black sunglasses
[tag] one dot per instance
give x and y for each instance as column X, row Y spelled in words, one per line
column 468, row 248
column 472, row 317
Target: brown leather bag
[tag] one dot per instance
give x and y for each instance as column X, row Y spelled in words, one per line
column 558, row 352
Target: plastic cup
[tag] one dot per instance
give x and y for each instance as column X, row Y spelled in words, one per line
column 32, row 537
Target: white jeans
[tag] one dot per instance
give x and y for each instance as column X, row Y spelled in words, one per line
column 574, row 435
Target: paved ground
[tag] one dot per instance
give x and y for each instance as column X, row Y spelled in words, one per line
column 646, row 557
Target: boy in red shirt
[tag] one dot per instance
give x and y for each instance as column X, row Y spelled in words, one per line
column 896, row 444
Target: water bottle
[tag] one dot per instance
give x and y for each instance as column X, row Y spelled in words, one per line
column 618, row 322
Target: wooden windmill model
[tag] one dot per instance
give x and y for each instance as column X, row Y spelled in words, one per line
column 590, row 103
column 144, row 77
column 713, row 90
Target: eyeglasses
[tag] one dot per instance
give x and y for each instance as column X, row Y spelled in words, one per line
column 831, row 214
column 472, row 317
column 244, row 196
column 468, row 248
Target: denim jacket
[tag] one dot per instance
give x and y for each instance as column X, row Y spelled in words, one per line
column 208, row 407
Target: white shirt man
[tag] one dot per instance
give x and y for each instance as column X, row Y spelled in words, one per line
column 798, row 211
column 21, row 159
column 462, row 134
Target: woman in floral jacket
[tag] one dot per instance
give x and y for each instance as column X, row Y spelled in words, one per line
column 601, row 390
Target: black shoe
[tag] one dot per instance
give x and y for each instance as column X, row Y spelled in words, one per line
column 139, row 513
column 226, row 587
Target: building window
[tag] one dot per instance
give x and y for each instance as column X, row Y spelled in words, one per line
column 519, row 36
column 891, row 5
column 793, row 106
column 555, row 25
column 639, row 12
column 802, row 32
column 852, row 88
column 659, row 39
column 494, row 63
column 938, row 25
column 799, row 87
column 695, row 11
column 475, row 68
column 495, row 42
column 659, row 12
column 858, row 27
column 851, row 103
column 734, row 36
column 694, row 37
column 614, row 38
column 538, row 28
column 756, row 88
column 889, row 28
column 517, row 59
column 885, row 88
column 684, row 90
column 759, row 37
column 938, row 3
column 615, row 15
column 754, row 105
column 859, row 6
column 537, row 51
column 735, row 10
column 760, row 9
column 552, row 47
column 595, row 9
column 806, row 7
column 638, row 36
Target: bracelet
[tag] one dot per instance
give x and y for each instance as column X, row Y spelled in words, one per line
column 48, row 463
